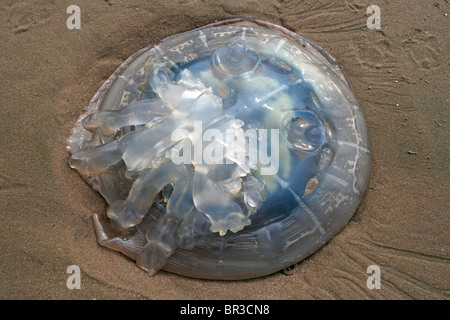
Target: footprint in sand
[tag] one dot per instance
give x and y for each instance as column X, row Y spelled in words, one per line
column 424, row 49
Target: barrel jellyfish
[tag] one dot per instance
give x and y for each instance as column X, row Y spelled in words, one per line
column 231, row 151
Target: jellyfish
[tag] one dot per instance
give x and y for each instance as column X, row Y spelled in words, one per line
column 230, row 151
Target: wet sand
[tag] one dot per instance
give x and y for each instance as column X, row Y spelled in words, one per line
column 399, row 74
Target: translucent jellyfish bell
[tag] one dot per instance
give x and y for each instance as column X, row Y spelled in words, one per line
column 231, row 151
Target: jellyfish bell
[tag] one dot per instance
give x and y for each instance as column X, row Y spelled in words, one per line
column 230, row 151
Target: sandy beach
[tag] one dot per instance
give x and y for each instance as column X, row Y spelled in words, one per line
column 399, row 74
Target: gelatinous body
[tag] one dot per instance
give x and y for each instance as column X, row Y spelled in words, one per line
column 227, row 152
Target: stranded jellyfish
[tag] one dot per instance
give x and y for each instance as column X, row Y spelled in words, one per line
column 231, row 151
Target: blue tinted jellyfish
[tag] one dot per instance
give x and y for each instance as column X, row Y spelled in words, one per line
column 231, row 151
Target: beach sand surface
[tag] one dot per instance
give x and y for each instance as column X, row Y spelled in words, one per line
column 399, row 74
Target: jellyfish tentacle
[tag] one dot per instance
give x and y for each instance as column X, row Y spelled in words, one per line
column 130, row 246
column 130, row 212
column 143, row 150
column 254, row 193
column 137, row 113
column 195, row 229
column 218, row 204
column 198, row 104
column 98, row 159
column 163, row 237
